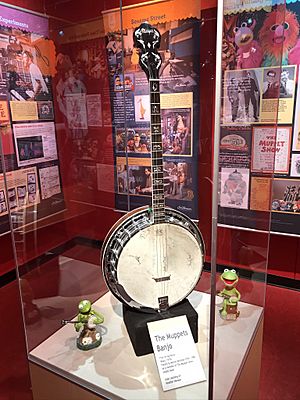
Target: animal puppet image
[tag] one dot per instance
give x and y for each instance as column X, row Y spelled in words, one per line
column 294, row 54
column 228, row 48
column 236, row 188
column 249, row 52
column 278, row 35
column 228, row 54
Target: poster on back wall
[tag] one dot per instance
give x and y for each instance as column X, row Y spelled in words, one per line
column 83, row 112
column 260, row 65
column 271, row 145
column 179, row 108
column 27, row 65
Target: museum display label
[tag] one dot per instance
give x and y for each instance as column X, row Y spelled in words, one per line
column 175, row 353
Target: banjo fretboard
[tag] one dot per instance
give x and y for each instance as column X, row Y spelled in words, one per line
column 158, row 197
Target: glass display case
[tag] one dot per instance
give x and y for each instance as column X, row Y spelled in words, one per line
column 113, row 131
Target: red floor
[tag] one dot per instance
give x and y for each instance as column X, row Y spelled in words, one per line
column 280, row 377
column 14, row 377
column 280, row 373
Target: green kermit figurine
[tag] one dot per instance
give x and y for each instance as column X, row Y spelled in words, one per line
column 87, row 320
column 231, row 295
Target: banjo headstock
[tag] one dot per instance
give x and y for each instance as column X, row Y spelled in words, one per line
column 147, row 39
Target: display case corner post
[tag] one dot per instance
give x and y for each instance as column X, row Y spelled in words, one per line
column 215, row 194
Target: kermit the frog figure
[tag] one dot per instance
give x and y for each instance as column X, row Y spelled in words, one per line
column 230, row 294
column 87, row 321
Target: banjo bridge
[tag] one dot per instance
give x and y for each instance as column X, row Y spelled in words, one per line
column 162, row 279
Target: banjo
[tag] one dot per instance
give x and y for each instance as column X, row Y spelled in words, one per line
column 152, row 258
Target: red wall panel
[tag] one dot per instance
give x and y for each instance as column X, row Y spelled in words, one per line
column 34, row 5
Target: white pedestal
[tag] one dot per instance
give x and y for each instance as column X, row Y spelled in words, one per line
column 113, row 370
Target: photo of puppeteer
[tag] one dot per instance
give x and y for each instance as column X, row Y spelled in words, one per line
column 138, row 181
column 177, row 131
column 177, row 49
column 21, row 64
column 271, row 83
column 122, row 182
column 178, row 181
column 242, row 91
column 119, row 82
column 137, row 141
column 287, row 82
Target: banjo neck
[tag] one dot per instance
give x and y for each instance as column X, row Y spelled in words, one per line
column 157, row 171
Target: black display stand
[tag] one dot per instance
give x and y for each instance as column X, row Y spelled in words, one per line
column 136, row 324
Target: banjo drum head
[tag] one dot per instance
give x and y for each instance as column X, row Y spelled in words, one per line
column 160, row 260
column 143, row 262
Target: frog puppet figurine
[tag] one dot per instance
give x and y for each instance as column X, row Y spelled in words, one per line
column 230, row 294
column 87, row 321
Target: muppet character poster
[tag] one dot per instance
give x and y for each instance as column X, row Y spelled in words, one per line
column 262, row 38
column 260, row 93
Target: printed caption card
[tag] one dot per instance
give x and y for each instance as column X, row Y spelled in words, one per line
column 175, row 352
